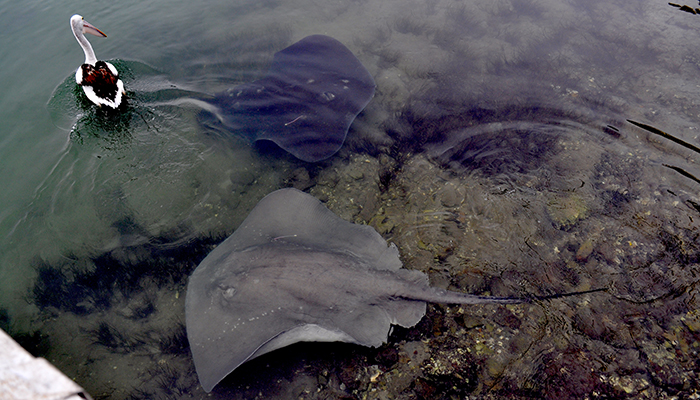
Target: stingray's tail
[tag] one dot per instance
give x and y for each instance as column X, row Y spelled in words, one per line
column 449, row 297
column 434, row 295
column 196, row 99
column 560, row 295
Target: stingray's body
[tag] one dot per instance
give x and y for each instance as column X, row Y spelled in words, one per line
column 305, row 104
column 294, row 271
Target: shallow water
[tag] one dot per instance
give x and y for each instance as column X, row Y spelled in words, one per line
column 497, row 155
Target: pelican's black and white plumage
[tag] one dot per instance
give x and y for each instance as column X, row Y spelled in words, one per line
column 99, row 79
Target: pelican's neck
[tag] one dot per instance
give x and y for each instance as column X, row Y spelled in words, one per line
column 87, row 48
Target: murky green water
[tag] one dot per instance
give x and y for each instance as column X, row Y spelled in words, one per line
column 496, row 154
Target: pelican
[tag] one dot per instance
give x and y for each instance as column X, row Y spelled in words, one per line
column 99, row 79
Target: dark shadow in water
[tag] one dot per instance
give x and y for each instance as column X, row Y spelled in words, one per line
column 36, row 343
column 511, row 150
column 494, row 140
column 337, row 371
column 295, row 369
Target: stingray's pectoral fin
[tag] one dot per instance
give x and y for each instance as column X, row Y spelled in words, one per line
column 406, row 313
column 369, row 326
column 303, row 333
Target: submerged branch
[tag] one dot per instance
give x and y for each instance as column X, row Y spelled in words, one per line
column 670, row 137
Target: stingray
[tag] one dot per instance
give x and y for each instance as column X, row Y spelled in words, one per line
column 294, row 271
column 306, row 102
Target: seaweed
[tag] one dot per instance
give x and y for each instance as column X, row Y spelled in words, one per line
column 55, row 288
column 36, row 343
column 176, row 343
column 144, row 310
column 108, row 336
column 139, row 394
column 170, row 380
column 4, row 320
column 89, row 284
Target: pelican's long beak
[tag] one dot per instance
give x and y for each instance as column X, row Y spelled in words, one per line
column 89, row 28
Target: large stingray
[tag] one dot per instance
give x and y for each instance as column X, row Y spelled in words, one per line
column 305, row 104
column 294, row 271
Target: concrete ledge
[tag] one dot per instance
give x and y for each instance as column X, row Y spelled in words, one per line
column 24, row 377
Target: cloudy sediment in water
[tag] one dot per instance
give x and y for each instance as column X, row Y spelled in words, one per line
column 497, row 154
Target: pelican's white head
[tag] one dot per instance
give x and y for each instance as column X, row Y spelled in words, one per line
column 80, row 27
